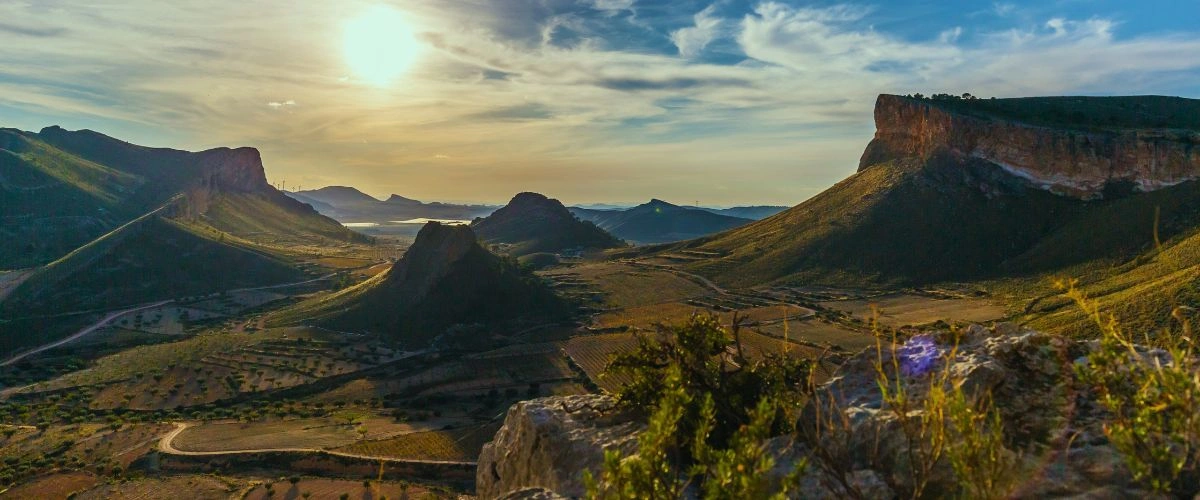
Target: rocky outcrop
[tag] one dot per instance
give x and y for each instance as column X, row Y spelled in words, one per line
column 431, row 257
column 1076, row 163
column 548, row 443
column 233, row 170
column 1030, row 378
column 1052, row 423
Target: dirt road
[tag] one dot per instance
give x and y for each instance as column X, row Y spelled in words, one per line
column 166, row 446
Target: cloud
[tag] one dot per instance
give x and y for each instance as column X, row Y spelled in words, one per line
column 693, row 39
column 612, row 6
column 532, row 94
column 43, row 32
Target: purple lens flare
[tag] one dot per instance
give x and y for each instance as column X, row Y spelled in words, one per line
column 918, row 356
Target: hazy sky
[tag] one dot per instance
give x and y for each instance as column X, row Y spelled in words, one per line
column 724, row 102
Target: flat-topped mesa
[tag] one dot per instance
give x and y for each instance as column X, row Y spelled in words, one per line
column 1066, row 153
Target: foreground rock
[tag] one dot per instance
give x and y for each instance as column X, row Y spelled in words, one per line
column 548, row 443
column 1052, row 426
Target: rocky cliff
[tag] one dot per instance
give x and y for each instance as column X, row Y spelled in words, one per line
column 1073, row 161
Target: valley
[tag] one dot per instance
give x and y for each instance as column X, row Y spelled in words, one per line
column 234, row 341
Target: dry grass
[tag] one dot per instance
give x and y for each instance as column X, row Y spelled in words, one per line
column 456, row 444
column 192, row 487
column 627, row 286
column 329, row 489
column 593, row 353
column 900, row 309
column 310, row 433
column 60, row 485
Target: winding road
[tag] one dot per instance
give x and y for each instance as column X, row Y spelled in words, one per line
column 166, row 445
column 114, row 315
column 81, row 333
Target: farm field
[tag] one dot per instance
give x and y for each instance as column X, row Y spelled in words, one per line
column 901, row 309
column 197, row 486
column 218, row 365
column 314, row 433
column 622, row 285
column 592, row 354
column 57, row 485
column 461, row 444
column 331, row 489
column 819, row 332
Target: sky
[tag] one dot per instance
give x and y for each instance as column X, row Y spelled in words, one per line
column 725, row 102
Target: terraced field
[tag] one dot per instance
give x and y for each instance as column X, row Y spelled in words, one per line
column 900, row 309
column 462, row 444
column 313, row 433
column 321, row 488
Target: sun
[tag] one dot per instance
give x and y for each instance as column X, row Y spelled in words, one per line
column 379, row 45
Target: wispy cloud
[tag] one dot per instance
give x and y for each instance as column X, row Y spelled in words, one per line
column 647, row 98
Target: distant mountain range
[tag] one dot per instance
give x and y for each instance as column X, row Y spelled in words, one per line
column 659, row 222
column 348, row 205
column 533, row 223
column 444, row 286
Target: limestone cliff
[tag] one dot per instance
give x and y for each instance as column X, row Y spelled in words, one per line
column 1072, row 161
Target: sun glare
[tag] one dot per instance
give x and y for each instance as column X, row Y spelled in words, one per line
column 379, row 45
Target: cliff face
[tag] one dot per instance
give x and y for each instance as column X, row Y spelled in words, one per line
column 1075, row 163
column 236, row 170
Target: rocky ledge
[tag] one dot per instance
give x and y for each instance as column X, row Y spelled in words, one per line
column 546, row 444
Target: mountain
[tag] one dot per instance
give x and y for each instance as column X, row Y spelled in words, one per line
column 60, row 189
column 980, row 189
column 756, row 212
column 659, row 222
column 337, row 196
column 347, row 204
column 444, row 279
column 533, row 223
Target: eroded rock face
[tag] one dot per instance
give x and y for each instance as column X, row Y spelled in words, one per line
column 233, row 170
column 548, row 443
column 1068, row 162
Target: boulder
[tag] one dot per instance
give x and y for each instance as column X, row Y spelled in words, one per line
column 548, row 443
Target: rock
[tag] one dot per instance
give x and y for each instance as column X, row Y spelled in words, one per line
column 535, row 493
column 1070, row 162
column 549, row 442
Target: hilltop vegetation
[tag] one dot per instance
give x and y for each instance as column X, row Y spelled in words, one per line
column 1081, row 112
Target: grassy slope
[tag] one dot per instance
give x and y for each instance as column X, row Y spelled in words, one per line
column 150, row 259
column 244, row 214
column 52, row 201
column 480, row 288
column 908, row 223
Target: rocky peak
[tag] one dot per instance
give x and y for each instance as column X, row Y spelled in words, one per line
column 1070, row 160
column 431, row 256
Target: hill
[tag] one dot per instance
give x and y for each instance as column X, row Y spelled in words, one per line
column 61, row 189
column 946, row 196
column 348, row 204
column 755, row 212
column 533, row 223
column 660, row 222
column 444, row 279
